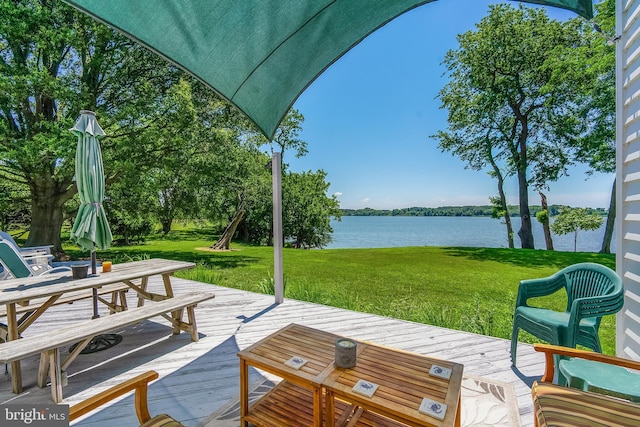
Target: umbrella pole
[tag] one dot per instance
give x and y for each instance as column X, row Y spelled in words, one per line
column 95, row 291
column 93, row 261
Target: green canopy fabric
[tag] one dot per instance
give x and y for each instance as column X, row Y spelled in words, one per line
column 91, row 228
column 260, row 55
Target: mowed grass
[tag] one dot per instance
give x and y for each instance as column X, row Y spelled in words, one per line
column 468, row 289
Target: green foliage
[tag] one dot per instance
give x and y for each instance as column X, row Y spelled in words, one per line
column 596, row 60
column 14, row 205
column 543, row 216
column 572, row 220
column 307, row 210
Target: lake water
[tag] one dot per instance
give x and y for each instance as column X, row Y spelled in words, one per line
column 394, row 231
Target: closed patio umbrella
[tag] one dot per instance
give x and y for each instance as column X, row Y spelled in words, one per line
column 91, row 228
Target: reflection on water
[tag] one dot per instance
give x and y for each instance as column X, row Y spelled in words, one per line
column 385, row 231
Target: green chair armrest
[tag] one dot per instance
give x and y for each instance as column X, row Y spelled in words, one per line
column 551, row 350
column 532, row 288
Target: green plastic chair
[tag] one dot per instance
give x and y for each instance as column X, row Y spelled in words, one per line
column 18, row 266
column 593, row 291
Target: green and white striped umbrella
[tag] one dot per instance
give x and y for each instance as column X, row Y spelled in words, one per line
column 91, row 228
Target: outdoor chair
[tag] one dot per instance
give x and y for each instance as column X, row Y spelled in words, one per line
column 602, row 391
column 33, row 254
column 592, row 291
column 27, row 251
column 589, row 371
column 19, row 266
column 140, row 384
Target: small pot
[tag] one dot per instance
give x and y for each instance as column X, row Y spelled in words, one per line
column 80, row 271
column 345, row 356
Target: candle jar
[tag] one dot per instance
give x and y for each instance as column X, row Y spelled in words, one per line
column 345, row 353
column 79, row 271
column 106, row 266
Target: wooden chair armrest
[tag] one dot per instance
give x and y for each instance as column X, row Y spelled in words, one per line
column 139, row 384
column 551, row 350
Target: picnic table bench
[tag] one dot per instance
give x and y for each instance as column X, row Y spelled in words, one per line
column 34, row 295
column 48, row 344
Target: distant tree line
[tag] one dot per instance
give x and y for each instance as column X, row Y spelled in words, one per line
column 484, row 210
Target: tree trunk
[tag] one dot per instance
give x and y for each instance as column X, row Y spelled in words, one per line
column 166, row 226
column 225, row 240
column 611, row 220
column 503, row 198
column 525, row 233
column 545, row 223
column 47, row 217
column 243, row 231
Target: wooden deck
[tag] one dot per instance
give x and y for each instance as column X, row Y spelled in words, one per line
column 198, row 378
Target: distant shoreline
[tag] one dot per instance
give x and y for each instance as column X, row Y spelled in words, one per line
column 481, row 211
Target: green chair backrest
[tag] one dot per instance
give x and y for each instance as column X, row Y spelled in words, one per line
column 13, row 262
column 590, row 280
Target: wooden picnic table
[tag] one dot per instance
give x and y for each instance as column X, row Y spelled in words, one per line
column 134, row 274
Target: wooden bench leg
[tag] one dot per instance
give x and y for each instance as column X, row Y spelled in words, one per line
column 123, row 300
column 55, row 373
column 13, row 334
column 43, row 370
column 114, row 305
column 177, row 316
column 191, row 316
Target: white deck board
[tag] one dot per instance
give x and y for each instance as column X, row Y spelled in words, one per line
column 198, row 378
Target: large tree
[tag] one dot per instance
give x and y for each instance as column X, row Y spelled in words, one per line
column 54, row 62
column 503, row 90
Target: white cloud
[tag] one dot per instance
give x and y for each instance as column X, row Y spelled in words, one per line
column 338, row 193
column 365, row 200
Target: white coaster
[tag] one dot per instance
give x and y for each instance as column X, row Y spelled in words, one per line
column 433, row 408
column 365, row 387
column 296, row 362
column 440, row 372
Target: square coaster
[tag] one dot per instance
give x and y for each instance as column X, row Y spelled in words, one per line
column 433, row 408
column 296, row 362
column 440, row 372
column 365, row 387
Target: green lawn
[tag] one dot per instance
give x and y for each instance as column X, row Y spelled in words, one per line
column 469, row 289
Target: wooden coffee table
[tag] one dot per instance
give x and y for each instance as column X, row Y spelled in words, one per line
column 403, row 381
column 318, row 390
column 300, row 394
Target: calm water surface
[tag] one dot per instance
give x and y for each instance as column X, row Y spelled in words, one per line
column 385, row 232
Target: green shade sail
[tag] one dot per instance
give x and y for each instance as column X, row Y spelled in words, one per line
column 258, row 54
column 90, row 229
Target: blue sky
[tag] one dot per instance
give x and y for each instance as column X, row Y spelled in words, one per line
column 369, row 116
